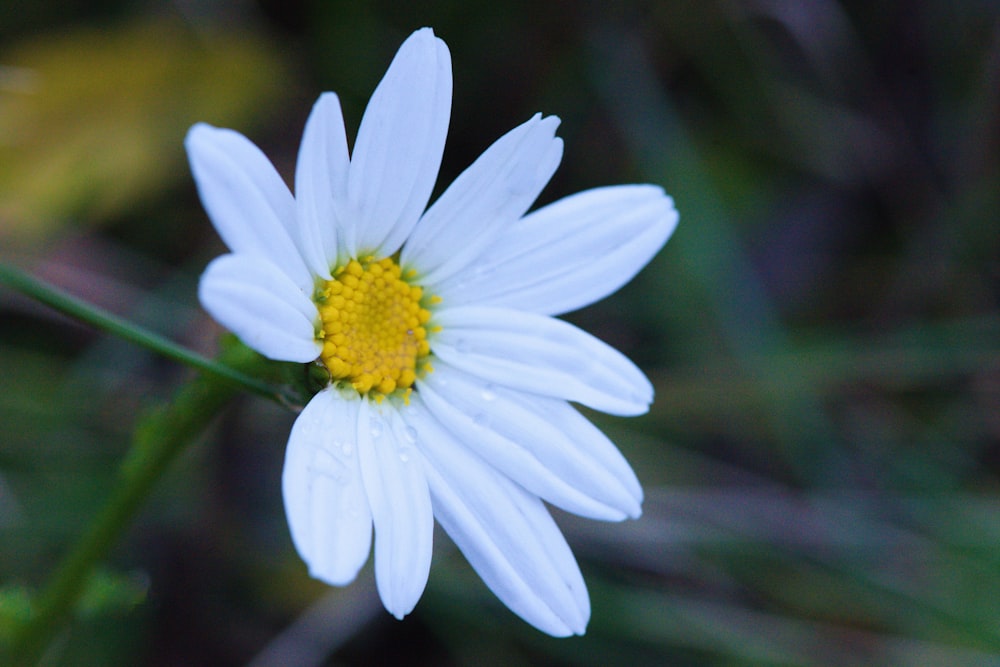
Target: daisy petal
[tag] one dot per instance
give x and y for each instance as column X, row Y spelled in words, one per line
column 325, row 500
column 495, row 191
column 401, row 507
column 399, row 146
column 541, row 355
column 320, row 181
column 262, row 306
column 522, row 435
column 246, row 199
column 506, row 533
column 569, row 253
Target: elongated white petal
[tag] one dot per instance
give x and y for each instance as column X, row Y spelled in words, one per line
column 325, row 499
column 506, row 533
column 541, row 355
column 262, row 306
column 522, row 435
column 321, row 182
column 399, row 146
column 401, row 507
column 487, row 197
column 569, row 253
column 247, row 201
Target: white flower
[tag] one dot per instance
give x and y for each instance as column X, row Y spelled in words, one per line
column 450, row 379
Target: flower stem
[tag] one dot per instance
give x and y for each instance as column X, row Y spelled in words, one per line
column 158, row 438
column 105, row 321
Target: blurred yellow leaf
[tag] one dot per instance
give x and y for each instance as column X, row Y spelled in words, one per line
column 93, row 121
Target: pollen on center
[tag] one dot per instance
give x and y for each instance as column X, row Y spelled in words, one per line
column 373, row 332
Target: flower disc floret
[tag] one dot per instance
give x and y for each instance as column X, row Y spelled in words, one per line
column 373, row 332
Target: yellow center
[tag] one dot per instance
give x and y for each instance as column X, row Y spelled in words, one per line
column 373, row 326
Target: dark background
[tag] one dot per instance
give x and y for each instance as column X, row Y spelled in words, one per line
column 821, row 464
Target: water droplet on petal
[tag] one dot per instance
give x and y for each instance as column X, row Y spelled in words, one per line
column 404, row 456
column 410, row 434
column 462, row 345
column 376, row 429
column 308, row 426
column 489, row 393
column 347, row 448
column 481, row 420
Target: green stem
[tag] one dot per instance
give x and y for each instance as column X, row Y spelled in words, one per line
column 159, row 437
column 105, row 321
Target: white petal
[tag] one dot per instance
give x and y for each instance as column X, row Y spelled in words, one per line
column 325, row 500
column 262, row 306
column 506, row 533
column 320, row 182
column 399, row 146
column 487, row 197
column 542, row 355
column 569, row 253
column 522, row 435
column 401, row 507
column 247, row 201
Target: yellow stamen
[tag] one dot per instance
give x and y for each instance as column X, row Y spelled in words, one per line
column 373, row 334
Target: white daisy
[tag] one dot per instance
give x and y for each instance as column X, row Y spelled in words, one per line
column 450, row 379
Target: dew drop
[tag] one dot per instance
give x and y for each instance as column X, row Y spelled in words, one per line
column 462, row 345
column 489, row 393
column 411, row 434
column 347, row 448
column 481, row 420
column 404, row 456
column 309, row 427
column 376, row 429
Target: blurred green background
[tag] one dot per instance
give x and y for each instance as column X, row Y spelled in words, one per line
column 821, row 464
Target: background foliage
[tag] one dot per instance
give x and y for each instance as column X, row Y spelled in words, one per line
column 822, row 461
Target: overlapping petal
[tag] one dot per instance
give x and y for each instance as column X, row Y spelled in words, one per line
column 506, row 533
column 261, row 305
column 320, row 183
column 536, row 442
column 249, row 204
column 541, row 355
column 325, row 499
column 399, row 147
column 494, row 191
column 400, row 504
column 570, row 253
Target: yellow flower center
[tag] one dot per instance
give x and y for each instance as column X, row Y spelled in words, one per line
column 373, row 327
